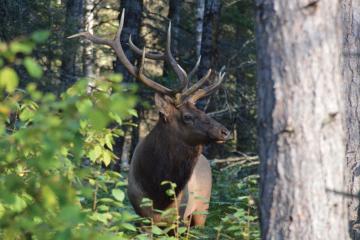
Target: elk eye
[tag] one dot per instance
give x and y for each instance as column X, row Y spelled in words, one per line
column 187, row 118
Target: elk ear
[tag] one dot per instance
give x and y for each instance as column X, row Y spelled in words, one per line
column 164, row 105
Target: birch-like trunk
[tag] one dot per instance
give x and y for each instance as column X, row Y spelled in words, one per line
column 200, row 8
column 88, row 50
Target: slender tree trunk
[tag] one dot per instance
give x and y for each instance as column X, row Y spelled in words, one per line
column 72, row 25
column 351, row 78
column 300, row 111
column 210, row 35
column 209, row 56
column 88, row 53
column 132, row 26
column 174, row 18
column 200, row 7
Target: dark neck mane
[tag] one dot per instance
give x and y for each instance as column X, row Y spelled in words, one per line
column 165, row 157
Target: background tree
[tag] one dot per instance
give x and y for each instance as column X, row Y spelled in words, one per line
column 351, row 78
column 88, row 48
column 300, row 112
column 132, row 26
column 73, row 23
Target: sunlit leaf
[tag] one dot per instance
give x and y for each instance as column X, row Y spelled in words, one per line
column 106, row 158
column 129, row 226
column 21, row 47
column 156, row 230
column 9, row 79
column 33, row 68
column 118, row 194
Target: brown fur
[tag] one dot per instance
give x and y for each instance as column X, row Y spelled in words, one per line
column 170, row 152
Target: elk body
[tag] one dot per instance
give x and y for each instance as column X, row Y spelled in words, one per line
column 172, row 149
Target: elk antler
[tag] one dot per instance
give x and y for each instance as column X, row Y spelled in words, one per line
column 116, row 46
column 209, row 89
column 183, row 93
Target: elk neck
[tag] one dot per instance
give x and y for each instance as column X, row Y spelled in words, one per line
column 165, row 157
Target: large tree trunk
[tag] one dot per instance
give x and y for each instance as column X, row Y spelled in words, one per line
column 72, row 25
column 300, row 112
column 351, row 78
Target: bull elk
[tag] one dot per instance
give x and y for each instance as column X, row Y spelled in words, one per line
column 172, row 151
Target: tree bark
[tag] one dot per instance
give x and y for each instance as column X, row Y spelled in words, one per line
column 210, row 35
column 200, row 7
column 209, row 56
column 300, row 120
column 72, row 25
column 174, row 18
column 132, row 26
column 88, row 53
column 351, row 78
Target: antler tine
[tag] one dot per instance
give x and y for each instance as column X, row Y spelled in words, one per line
column 151, row 84
column 154, row 56
column 196, row 86
column 210, row 89
column 181, row 74
column 194, row 70
column 116, row 46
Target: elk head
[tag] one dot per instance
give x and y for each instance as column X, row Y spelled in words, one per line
column 176, row 106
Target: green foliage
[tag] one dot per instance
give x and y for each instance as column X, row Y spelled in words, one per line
column 52, row 184
column 233, row 210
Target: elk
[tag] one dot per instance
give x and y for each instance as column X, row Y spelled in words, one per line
column 172, row 151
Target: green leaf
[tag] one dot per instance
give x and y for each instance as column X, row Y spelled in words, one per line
column 106, row 158
column 40, row 36
column 26, row 114
column 129, row 226
column 95, row 153
column 97, row 119
column 133, row 112
column 9, row 79
column 18, row 205
column 21, row 47
column 156, row 230
column 33, row 68
column 118, row 194
column 108, row 141
column 181, row 230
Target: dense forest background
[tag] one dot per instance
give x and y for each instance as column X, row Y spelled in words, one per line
column 37, row 48
column 223, row 34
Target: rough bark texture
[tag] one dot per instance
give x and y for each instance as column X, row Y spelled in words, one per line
column 351, row 78
column 300, row 112
column 72, row 25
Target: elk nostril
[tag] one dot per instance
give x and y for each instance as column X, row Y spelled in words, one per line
column 225, row 133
